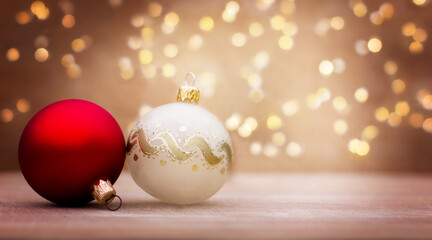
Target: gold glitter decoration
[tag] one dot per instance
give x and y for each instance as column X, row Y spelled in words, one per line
column 205, row 149
column 228, row 151
column 173, row 147
column 162, row 162
column 139, row 137
column 166, row 141
column 194, row 168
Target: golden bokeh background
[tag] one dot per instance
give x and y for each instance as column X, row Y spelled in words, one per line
column 301, row 85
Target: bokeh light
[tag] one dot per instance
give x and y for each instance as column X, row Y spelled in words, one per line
column 293, row 149
column 326, row 67
column 361, row 94
column 23, row 105
column 374, row 45
column 23, row 17
column 274, row 122
column 299, row 87
column 41, row 55
column 206, row 23
column 6, row 115
column 12, row 54
column 340, row 126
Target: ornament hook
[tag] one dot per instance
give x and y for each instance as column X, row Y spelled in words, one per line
column 188, row 93
column 107, row 205
column 187, row 76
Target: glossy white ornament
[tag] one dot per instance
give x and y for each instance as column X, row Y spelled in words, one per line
column 179, row 153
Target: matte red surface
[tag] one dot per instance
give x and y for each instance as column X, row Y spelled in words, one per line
column 67, row 147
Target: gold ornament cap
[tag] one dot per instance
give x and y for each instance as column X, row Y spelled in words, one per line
column 105, row 193
column 188, row 93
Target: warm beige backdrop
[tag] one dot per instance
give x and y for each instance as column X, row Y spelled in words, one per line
column 307, row 77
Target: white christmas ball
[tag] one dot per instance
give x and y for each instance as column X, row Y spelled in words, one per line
column 179, row 153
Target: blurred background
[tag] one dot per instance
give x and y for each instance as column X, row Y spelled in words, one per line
column 301, row 85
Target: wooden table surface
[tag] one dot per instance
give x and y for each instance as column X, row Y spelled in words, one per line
column 249, row 206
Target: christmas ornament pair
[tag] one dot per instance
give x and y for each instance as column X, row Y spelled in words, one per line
column 71, row 151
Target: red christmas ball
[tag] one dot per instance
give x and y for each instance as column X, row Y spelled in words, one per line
column 67, row 147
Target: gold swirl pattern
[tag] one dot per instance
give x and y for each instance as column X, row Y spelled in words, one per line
column 211, row 159
column 146, row 148
column 139, row 137
column 227, row 148
column 174, row 148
